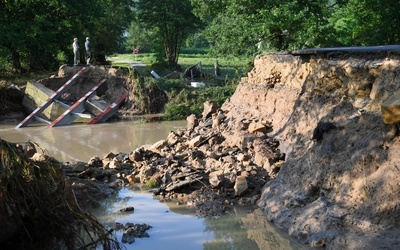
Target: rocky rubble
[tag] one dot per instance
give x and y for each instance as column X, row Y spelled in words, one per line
column 197, row 166
column 132, row 231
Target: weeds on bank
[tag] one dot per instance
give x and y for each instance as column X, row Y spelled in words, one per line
column 182, row 99
column 151, row 183
column 35, row 196
column 190, row 101
column 175, row 98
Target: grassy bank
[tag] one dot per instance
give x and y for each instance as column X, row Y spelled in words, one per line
column 178, row 99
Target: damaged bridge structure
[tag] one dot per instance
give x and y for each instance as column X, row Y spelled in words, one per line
column 76, row 95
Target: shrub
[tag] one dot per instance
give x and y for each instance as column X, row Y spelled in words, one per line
column 175, row 97
column 151, row 183
column 37, row 200
column 190, row 101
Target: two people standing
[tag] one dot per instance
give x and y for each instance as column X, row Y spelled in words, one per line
column 88, row 48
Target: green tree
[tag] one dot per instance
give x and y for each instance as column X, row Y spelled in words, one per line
column 296, row 24
column 141, row 38
column 232, row 25
column 29, row 30
column 172, row 21
column 237, row 27
column 107, row 26
column 35, row 32
column 367, row 22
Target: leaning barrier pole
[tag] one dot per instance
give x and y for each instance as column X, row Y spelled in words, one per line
column 78, row 107
column 109, row 111
column 47, row 103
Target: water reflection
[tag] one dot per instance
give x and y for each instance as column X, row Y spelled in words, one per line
column 169, row 230
column 81, row 142
column 176, row 227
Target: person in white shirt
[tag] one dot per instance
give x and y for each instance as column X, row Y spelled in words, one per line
column 75, row 47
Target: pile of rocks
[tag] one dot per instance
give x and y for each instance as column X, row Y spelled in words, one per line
column 132, row 231
column 211, row 165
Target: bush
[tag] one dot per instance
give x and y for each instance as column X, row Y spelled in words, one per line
column 175, row 111
column 170, row 85
column 151, row 183
column 37, row 201
column 190, row 101
column 175, row 97
column 149, row 97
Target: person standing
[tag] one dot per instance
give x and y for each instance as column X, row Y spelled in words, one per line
column 88, row 47
column 75, row 46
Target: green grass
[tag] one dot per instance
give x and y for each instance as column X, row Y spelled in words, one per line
column 7, row 79
column 231, row 68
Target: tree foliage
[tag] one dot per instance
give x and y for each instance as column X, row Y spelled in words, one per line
column 367, row 22
column 37, row 34
column 142, row 38
column 242, row 27
column 172, row 21
column 34, row 33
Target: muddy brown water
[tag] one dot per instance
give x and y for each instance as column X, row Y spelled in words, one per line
column 173, row 226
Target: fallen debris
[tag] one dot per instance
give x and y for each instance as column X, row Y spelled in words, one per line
column 205, row 166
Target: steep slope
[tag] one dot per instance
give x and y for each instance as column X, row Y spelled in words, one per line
column 340, row 190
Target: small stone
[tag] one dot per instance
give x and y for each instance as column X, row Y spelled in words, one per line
column 192, row 122
column 39, row 157
column 115, row 164
column 110, row 155
column 195, row 141
column 79, row 166
column 95, row 162
column 240, row 185
column 136, row 155
column 216, row 178
column 257, row 127
column 127, row 209
column 391, row 109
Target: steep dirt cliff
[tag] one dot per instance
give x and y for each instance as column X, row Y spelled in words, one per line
column 340, row 183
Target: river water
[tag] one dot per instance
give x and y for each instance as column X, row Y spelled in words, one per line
column 173, row 226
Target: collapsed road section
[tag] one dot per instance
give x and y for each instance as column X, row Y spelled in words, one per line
column 58, row 105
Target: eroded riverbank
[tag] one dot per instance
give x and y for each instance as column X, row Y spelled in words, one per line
column 314, row 139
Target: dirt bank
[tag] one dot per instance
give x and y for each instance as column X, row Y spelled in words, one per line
column 342, row 190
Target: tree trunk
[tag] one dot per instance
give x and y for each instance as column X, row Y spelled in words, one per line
column 172, row 52
column 16, row 62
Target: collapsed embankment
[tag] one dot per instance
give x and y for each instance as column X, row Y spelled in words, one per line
column 340, row 190
column 334, row 185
